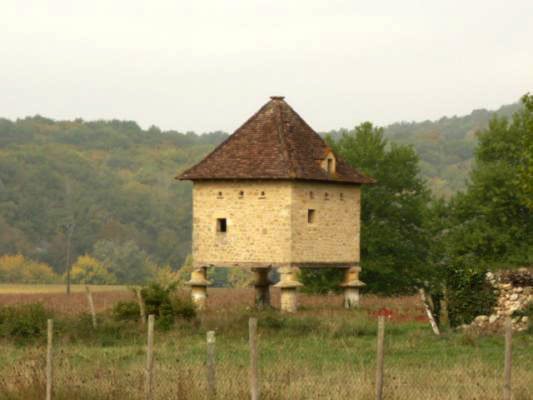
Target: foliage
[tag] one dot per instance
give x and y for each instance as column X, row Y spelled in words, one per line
column 445, row 146
column 112, row 179
column 491, row 220
column 126, row 261
column 91, row 271
column 184, row 273
column 469, row 293
column 163, row 302
column 23, row 322
column 393, row 241
column 19, row 269
column 126, row 311
column 239, row 277
column 164, row 275
column 321, row 280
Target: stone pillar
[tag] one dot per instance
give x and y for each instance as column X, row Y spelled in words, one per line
column 262, row 287
column 199, row 284
column 351, row 285
column 288, row 284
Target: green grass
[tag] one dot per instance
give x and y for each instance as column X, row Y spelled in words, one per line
column 322, row 352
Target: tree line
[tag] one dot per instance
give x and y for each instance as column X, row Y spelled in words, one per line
column 106, row 189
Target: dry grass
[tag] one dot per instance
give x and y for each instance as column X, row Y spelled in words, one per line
column 11, row 288
column 313, row 355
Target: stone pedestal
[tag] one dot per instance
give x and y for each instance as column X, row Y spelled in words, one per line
column 199, row 284
column 288, row 284
column 262, row 287
column 352, row 285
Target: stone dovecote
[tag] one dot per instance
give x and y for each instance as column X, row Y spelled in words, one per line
column 274, row 195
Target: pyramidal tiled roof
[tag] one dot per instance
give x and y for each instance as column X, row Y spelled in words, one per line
column 275, row 143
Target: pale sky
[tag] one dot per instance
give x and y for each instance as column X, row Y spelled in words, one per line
column 208, row 65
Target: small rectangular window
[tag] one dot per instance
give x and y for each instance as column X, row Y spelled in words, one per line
column 222, row 225
column 310, row 216
column 330, row 166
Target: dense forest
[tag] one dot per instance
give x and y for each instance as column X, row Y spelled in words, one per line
column 106, row 181
column 107, row 189
column 445, row 147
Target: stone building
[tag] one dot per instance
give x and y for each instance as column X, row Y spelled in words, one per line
column 274, row 195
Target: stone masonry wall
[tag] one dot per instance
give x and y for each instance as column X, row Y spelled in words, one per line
column 258, row 221
column 267, row 222
column 334, row 235
column 515, row 295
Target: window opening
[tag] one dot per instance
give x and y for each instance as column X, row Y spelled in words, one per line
column 222, row 225
column 329, row 166
column 326, row 196
column 311, row 214
column 241, row 194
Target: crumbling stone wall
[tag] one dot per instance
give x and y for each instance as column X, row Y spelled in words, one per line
column 515, row 296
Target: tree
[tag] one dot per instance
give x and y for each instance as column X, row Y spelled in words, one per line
column 18, row 269
column 126, row 261
column 87, row 270
column 492, row 218
column 393, row 241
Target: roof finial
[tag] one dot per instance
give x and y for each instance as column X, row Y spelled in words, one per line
column 277, row 97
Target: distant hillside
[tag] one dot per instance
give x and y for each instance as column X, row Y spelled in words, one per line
column 446, row 147
column 114, row 180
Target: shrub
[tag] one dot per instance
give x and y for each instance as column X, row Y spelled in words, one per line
column 23, row 322
column 321, row 280
column 79, row 328
column 18, row 269
column 183, row 308
column 469, row 293
column 166, row 305
column 126, row 311
column 90, row 270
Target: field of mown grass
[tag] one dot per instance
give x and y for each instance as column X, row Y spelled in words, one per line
column 10, row 288
column 322, row 352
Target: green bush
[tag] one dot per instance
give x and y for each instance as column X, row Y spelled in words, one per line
column 23, row 322
column 321, row 280
column 166, row 305
column 110, row 331
column 183, row 308
column 469, row 293
column 126, row 311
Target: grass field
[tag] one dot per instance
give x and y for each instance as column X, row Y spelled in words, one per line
column 9, row 288
column 323, row 352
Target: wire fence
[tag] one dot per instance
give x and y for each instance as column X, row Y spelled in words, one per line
column 246, row 370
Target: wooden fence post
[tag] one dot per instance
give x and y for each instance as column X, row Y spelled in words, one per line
column 507, row 391
column 254, row 385
column 91, row 304
column 141, row 306
column 49, row 374
column 211, row 372
column 379, row 358
column 149, row 372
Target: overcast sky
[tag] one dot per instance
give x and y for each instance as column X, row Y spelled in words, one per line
column 203, row 66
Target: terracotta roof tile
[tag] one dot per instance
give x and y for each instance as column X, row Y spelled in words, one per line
column 275, row 143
